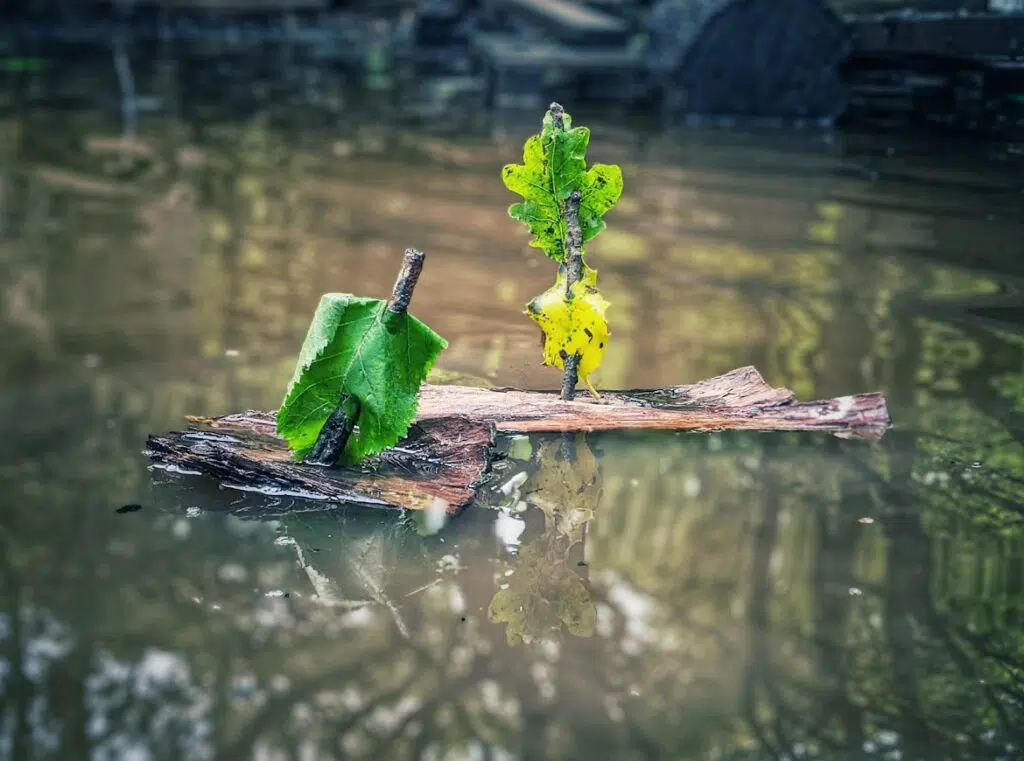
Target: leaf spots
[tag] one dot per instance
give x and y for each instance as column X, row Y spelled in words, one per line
column 576, row 325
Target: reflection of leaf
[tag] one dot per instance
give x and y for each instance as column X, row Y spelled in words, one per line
column 576, row 325
column 360, row 351
column 577, row 611
column 568, row 490
column 542, row 594
column 554, row 164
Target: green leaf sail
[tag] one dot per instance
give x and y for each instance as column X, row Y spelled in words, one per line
column 359, row 353
column 554, row 164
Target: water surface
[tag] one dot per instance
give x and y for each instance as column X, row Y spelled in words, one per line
column 664, row 596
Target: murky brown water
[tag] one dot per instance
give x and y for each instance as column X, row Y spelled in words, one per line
column 709, row 596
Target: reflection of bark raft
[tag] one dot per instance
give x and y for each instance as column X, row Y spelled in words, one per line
column 749, row 58
column 448, row 450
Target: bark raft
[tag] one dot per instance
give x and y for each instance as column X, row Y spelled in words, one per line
column 448, row 450
column 440, row 463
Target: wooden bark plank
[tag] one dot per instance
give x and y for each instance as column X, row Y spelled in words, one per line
column 441, row 462
column 740, row 399
column 789, row 68
column 448, row 450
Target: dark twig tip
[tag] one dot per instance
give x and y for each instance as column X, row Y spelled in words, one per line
column 557, row 116
column 412, row 266
column 333, row 437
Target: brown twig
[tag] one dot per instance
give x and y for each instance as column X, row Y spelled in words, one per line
column 573, row 247
column 334, row 436
column 573, row 273
column 401, row 295
column 573, row 242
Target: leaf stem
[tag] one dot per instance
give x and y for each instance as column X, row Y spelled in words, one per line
column 335, row 433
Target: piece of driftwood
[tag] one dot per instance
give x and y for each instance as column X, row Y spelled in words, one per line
column 740, row 399
column 439, row 463
column 448, row 450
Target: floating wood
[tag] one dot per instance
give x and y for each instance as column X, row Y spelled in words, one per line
column 448, row 450
column 740, row 399
column 441, row 462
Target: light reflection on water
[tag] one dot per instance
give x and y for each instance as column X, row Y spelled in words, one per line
column 664, row 596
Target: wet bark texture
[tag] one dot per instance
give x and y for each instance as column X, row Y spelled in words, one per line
column 740, row 399
column 440, row 462
column 449, row 448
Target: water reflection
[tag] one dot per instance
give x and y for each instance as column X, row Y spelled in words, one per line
column 794, row 596
column 657, row 596
column 540, row 589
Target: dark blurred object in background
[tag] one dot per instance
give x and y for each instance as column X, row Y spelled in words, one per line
column 757, row 58
column 947, row 62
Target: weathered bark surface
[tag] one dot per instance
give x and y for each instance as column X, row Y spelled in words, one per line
column 740, row 399
column 448, row 449
column 441, row 462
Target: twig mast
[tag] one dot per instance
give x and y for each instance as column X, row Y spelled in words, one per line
column 573, row 259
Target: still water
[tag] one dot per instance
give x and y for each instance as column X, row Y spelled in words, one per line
column 724, row 596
